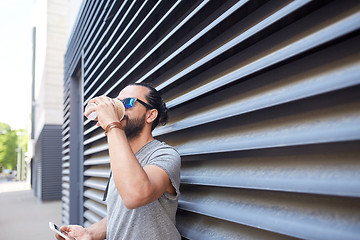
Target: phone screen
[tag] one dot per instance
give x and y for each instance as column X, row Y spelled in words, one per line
column 57, row 229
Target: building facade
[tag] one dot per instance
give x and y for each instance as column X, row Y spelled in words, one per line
column 50, row 20
column 264, row 107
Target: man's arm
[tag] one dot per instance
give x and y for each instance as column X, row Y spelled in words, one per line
column 137, row 186
column 96, row 231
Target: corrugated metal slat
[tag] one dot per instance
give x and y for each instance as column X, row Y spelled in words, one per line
column 263, row 100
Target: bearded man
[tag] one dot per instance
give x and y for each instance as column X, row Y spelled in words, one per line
column 143, row 189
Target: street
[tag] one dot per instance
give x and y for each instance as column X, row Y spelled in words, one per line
column 22, row 215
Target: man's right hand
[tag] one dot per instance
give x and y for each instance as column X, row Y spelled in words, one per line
column 75, row 232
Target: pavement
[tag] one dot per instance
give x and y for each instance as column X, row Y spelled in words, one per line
column 23, row 216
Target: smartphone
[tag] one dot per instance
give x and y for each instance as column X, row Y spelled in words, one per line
column 56, row 229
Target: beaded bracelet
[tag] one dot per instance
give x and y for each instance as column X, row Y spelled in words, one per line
column 113, row 125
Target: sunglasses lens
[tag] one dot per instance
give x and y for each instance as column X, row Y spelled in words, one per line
column 129, row 102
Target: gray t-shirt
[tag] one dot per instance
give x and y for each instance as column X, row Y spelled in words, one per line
column 155, row 220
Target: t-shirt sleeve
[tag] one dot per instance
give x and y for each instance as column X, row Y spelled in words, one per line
column 169, row 160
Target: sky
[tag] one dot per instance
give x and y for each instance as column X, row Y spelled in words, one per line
column 15, row 62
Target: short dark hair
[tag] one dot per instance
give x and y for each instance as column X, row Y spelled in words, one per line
column 156, row 101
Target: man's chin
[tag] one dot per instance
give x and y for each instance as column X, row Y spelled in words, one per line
column 133, row 128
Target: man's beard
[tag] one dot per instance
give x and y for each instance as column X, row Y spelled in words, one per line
column 134, row 127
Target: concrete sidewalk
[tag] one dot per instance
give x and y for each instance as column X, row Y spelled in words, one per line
column 23, row 216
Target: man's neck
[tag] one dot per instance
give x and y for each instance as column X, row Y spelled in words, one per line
column 137, row 143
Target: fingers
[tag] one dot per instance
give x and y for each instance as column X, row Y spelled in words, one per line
column 91, row 107
column 68, row 231
column 58, row 237
column 75, row 232
column 105, row 108
column 98, row 104
column 65, row 228
column 96, row 100
column 103, row 103
column 100, row 100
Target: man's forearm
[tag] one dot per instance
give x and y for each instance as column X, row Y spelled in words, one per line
column 98, row 230
column 130, row 179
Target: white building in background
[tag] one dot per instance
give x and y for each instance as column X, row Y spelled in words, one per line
column 51, row 21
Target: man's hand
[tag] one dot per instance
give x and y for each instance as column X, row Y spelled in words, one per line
column 106, row 110
column 75, row 232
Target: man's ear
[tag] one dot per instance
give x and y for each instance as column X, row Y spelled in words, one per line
column 151, row 115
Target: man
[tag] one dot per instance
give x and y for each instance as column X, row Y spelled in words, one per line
column 144, row 187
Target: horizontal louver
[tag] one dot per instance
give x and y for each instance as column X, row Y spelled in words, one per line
column 264, row 108
column 65, row 155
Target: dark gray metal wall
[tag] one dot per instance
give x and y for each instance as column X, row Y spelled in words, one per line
column 263, row 98
column 46, row 171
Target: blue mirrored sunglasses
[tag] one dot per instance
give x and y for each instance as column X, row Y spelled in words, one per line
column 129, row 103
